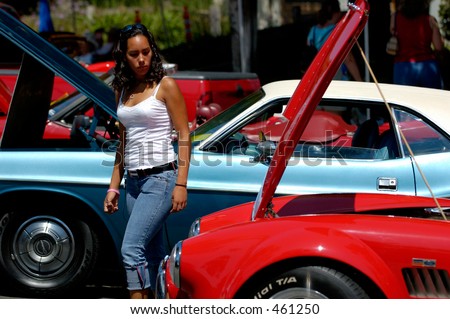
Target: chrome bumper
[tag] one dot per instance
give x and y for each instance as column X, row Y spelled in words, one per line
column 161, row 291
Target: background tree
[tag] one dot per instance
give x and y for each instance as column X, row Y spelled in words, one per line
column 444, row 14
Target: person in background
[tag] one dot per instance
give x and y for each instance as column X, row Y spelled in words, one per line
column 328, row 16
column 102, row 53
column 98, row 37
column 418, row 35
column 150, row 106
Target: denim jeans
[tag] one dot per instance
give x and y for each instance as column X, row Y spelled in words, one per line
column 149, row 200
column 424, row 74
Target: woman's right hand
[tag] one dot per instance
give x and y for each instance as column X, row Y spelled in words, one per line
column 111, row 203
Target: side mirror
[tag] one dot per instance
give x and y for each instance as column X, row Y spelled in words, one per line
column 265, row 149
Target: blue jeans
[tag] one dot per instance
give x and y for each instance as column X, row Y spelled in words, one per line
column 424, row 74
column 149, row 200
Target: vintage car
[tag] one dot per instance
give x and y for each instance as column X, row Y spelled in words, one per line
column 336, row 245
column 54, row 235
column 206, row 93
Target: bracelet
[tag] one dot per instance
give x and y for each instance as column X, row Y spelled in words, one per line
column 181, row 185
column 113, row 190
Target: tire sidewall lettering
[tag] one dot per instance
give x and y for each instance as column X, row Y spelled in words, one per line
column 275, row 285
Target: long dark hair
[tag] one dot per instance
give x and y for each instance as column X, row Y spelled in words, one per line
column 124, row 77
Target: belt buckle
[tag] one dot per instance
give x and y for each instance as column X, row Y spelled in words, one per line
column 133, row 173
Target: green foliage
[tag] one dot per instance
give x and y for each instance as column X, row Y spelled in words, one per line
column 444, row 14
column 115, row 3
column 163, row 17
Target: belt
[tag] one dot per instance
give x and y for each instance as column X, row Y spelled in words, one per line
column 154, row 170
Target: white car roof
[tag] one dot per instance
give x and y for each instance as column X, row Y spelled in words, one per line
column 433, row 104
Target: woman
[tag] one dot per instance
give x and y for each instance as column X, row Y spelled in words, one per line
column 150, row 105
column 327, row 18
column 415, row 62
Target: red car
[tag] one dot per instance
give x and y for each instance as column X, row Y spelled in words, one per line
column 52, row 130
column 206, row 93
column 315, row 246
column 60, row 88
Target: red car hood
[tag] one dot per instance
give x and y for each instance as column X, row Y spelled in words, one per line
column 308, row 94
column 320, row 204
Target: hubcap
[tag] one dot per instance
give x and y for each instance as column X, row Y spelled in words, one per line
column 43, row 246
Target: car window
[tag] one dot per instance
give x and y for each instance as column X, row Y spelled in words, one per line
column 349, row 130
column 72, row 119
column 337, row 129
column 217, row 122
column 420, row 135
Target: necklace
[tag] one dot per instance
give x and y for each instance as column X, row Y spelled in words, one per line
column 132, row 95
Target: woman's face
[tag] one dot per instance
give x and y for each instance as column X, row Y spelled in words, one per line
column 139, row 55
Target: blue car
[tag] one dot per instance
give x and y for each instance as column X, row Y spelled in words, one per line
column 54, row 235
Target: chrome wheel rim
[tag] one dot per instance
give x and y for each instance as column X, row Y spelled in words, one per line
column 43, row 247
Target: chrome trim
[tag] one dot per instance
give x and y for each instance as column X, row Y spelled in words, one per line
column 161, row 291
column 435, row 211
column 194, row 230
column 387, row 184
column 174, row 263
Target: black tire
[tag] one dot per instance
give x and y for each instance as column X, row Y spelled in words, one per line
column 46, row 255
column 310, row 283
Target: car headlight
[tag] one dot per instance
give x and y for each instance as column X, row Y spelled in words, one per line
column 195, row 228
column 174, row 264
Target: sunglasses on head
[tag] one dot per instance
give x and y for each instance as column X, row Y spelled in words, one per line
column 132, row 27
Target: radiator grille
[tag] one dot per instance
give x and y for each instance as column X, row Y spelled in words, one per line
column 427, row 282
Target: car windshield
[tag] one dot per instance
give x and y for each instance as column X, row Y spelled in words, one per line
column 71, row 103
column 215, row 123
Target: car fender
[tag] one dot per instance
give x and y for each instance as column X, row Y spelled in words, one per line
column 316, row 242
column 327, row 243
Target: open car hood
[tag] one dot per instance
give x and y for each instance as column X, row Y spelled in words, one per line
column 307, row 96
column 52, row 58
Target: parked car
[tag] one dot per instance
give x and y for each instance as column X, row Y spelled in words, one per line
column 206, row 93
column 52, row 189
column 339, row 245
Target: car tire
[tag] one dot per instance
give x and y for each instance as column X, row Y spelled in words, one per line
column 46, row 255
column 310, row 282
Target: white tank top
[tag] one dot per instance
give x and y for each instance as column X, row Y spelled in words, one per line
column 148, row 133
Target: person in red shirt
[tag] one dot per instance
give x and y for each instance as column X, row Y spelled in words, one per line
column 419, row 38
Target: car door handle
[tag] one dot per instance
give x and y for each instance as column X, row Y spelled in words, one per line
column 387, row 183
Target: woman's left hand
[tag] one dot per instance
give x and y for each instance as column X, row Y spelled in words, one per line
column 179, row 199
